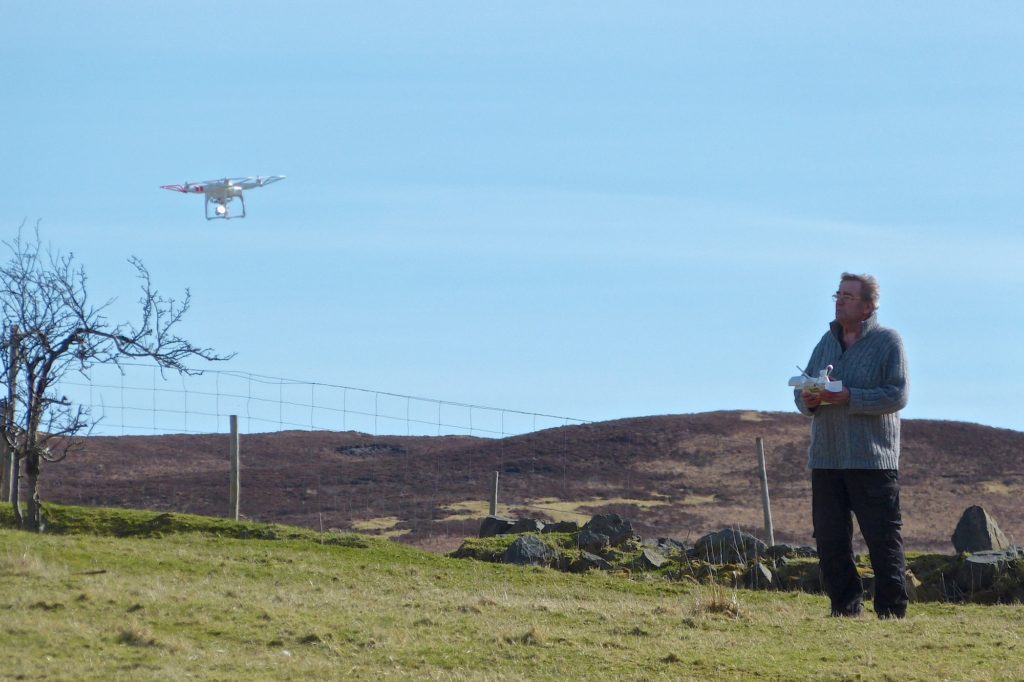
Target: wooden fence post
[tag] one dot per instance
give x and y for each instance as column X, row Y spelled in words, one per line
column 765, row 501
column 234, row 457
column 494, row 496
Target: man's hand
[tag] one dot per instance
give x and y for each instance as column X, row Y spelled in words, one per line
column 812, row 399
column 838, row 398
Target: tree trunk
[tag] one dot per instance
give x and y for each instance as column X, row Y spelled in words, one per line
column 35, row 509
column 11, row 486
column 16, row 489
column 5, row 472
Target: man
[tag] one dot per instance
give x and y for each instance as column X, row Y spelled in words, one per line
column 855, row 451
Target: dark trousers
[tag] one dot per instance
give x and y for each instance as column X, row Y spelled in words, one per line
column 874, row 497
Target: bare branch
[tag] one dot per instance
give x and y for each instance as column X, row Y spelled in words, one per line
column 48, row 327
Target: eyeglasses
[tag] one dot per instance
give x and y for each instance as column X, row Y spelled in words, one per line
column 845, row 298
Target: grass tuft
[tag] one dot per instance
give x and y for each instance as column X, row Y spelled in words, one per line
column 532, row 637
column 23, row 564
column 717, row 601
column 312, row 638
column 136, row 636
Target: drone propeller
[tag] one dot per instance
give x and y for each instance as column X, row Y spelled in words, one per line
column 184, row 189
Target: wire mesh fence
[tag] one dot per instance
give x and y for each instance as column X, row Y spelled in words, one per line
column 416, row 469
column 139, row 399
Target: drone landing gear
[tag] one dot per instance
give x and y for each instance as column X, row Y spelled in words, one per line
column 221, row 211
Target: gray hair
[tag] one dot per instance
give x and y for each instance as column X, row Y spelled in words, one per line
column 868, row 287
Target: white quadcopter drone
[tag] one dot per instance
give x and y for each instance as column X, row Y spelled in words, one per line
column 221, row 192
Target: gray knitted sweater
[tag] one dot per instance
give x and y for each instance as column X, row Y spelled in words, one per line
column 865, row 434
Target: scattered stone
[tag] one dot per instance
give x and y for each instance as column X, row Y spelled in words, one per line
column 733, row 558
column 978, row 531
column 730, row 546
column 529, row 550
column 619, row 531
column 495, row 525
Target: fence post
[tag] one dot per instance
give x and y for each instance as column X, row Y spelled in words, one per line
column 494, row 496
column 765, row 501
column 234, row 457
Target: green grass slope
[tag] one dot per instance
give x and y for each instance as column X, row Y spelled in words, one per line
column 114, row 594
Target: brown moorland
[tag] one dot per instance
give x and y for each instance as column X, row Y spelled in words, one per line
column 674, row 476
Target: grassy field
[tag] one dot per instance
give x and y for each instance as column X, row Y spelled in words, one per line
column 111, row 594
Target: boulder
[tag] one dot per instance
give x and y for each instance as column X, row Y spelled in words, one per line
column 529, row 550
column 977, row 531
column 650, row 560
column 730, row 546
column 495, row 525
column 619, row 531
column 592, row 542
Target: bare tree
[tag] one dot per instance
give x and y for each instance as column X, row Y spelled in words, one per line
column 50, row 329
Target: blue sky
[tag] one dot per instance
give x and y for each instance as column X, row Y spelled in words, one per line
column 595, row 209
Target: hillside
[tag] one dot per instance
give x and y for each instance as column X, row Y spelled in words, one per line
column 674, row 476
